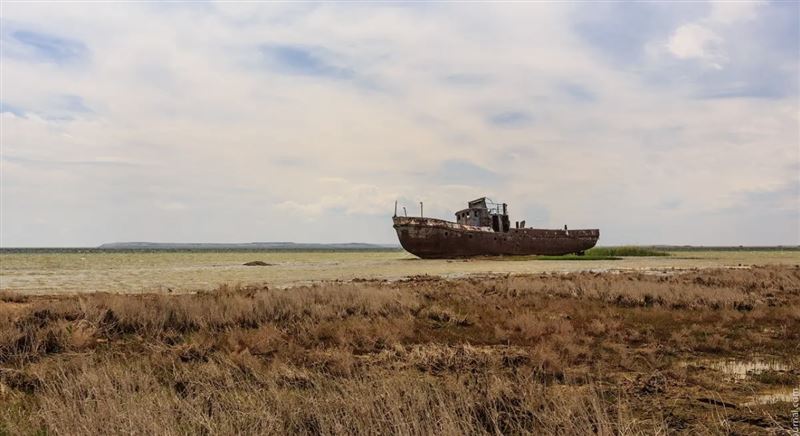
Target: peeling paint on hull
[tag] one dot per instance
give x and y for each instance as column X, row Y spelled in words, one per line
column 431, row 238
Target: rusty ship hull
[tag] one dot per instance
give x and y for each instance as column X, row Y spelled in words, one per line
column 431, row 238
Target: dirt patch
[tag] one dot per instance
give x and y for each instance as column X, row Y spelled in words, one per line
column 258, row 263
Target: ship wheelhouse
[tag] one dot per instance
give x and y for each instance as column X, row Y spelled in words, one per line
column 483, row 212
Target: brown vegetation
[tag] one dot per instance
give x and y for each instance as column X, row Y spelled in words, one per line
column 581, row 353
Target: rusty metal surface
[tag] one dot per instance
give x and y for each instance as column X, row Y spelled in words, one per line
column 431, row 238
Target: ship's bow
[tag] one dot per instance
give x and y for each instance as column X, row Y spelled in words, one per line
column 419, row 236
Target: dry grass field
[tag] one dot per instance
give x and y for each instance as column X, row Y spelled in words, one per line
column 711, row 351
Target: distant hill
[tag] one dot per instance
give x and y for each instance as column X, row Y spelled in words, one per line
column 242, row 246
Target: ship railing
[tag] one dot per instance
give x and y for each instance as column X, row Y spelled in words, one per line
column 496, row 208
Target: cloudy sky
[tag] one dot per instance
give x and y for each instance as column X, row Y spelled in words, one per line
column 672, row 123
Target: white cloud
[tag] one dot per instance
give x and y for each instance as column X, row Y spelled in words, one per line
column 728, row 12
column 699, row 40
column 694, row 41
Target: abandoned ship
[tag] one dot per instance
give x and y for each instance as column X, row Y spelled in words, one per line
column 484, row 229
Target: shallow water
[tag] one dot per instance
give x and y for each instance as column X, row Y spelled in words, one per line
column 60, row 272
column 740, row 369
column 779, row 396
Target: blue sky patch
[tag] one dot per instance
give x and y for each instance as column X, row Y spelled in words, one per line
column 5, row 107
column 72, row 103
column 511, row 119
column 466, row 79
column 49, row 48
column 302, row 60
column 577, row 92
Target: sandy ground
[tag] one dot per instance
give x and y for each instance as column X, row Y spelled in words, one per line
column 44, row 273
